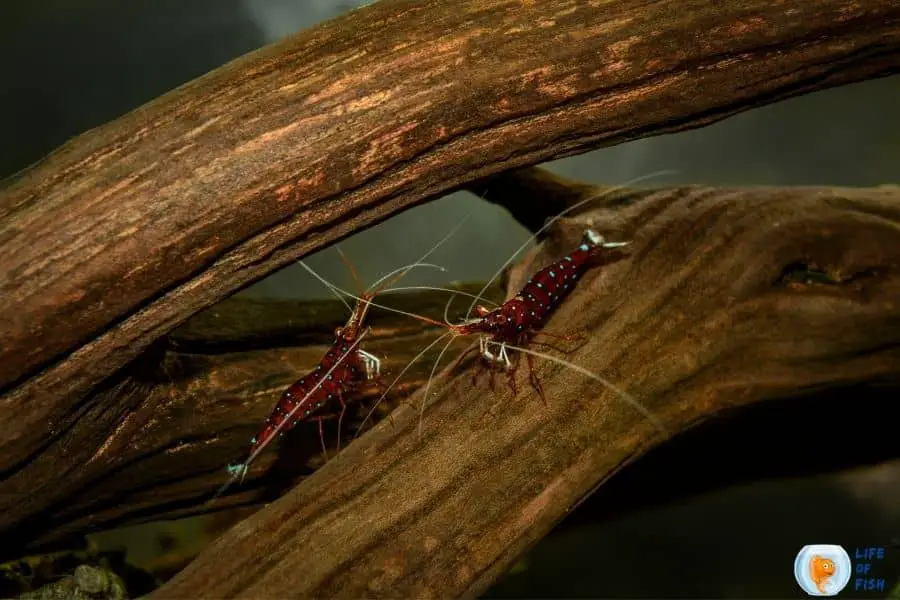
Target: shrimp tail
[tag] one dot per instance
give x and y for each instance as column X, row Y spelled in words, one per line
column 236, row 473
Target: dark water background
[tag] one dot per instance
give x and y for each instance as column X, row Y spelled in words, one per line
column 702, row 517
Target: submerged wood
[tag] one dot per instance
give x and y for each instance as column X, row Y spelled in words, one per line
column 126, row 231
column 122, row 234
column 731, row 297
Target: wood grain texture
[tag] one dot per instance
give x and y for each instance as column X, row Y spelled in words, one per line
column 731, row 297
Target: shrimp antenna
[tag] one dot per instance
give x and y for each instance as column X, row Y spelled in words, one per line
column 409, row 288
column 396, row 274
column 428, row 385
column 406, row 268
column 606, row 383
column 400, row 273
column 447, row 310
column 369, row 302
column 352, row 268
column 424, row 257
column 330, row 286
column 554, row 219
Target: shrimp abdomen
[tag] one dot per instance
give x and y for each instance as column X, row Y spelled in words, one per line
column 307, row 395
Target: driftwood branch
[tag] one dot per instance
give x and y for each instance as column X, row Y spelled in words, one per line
column 731, row 298
column 126, row 231
column 191, row 403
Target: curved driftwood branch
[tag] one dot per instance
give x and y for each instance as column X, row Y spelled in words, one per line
column 731, row 297
column 124, row 232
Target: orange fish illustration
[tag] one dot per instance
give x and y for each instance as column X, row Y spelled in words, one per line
column 820, row 571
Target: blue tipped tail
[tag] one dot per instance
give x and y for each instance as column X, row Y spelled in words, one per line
column 235, row 472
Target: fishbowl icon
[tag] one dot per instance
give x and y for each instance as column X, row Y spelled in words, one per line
column 822, row 569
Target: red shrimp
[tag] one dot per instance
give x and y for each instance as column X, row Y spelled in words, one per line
column 344, row 366
column 515, row 321
column 518, row 319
